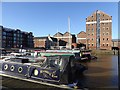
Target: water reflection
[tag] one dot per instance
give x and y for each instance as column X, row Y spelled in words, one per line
column 101, row 73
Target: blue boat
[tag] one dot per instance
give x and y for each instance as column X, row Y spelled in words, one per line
column 57, row 68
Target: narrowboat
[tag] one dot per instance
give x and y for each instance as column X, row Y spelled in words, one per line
column 56, row 68
column 79, row 54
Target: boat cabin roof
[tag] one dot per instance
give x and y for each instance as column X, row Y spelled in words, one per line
column 55, row 54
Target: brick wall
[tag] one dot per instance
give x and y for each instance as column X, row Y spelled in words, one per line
column 105, row 30
column 39, row 42
column 81, row 37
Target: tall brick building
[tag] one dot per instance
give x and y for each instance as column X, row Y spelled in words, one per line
column 99, row 30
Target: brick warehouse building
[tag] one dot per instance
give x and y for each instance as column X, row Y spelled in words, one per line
column 15, row 38
column 99, row 31
column 68, row 38
column 81, row 37
column 45, row 42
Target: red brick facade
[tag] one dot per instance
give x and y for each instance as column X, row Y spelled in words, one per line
column 39, row 42
column 103, row 25
column 45, row 42
column 98, row 34
column 67, row 37
column 81, row 37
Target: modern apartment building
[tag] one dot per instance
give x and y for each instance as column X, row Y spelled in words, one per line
column 99, row 31
column 15, row 38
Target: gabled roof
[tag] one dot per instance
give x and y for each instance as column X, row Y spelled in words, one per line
column 58, row 33
column 98, row 11
column 66, row 33
column 81, row 32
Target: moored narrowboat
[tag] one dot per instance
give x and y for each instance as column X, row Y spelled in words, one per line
column 50, row 67
column 79, row 54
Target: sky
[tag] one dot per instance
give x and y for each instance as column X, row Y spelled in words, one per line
column 43, row 18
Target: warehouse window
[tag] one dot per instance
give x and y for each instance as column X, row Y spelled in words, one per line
column 92, row 29
column 107, row 33
column 107, row 44
column 103, row 28
column 103, row 44
column 107, row 28
column 88, row 44
column 92, row 44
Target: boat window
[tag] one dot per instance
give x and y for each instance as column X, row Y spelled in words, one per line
column 54, row 62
